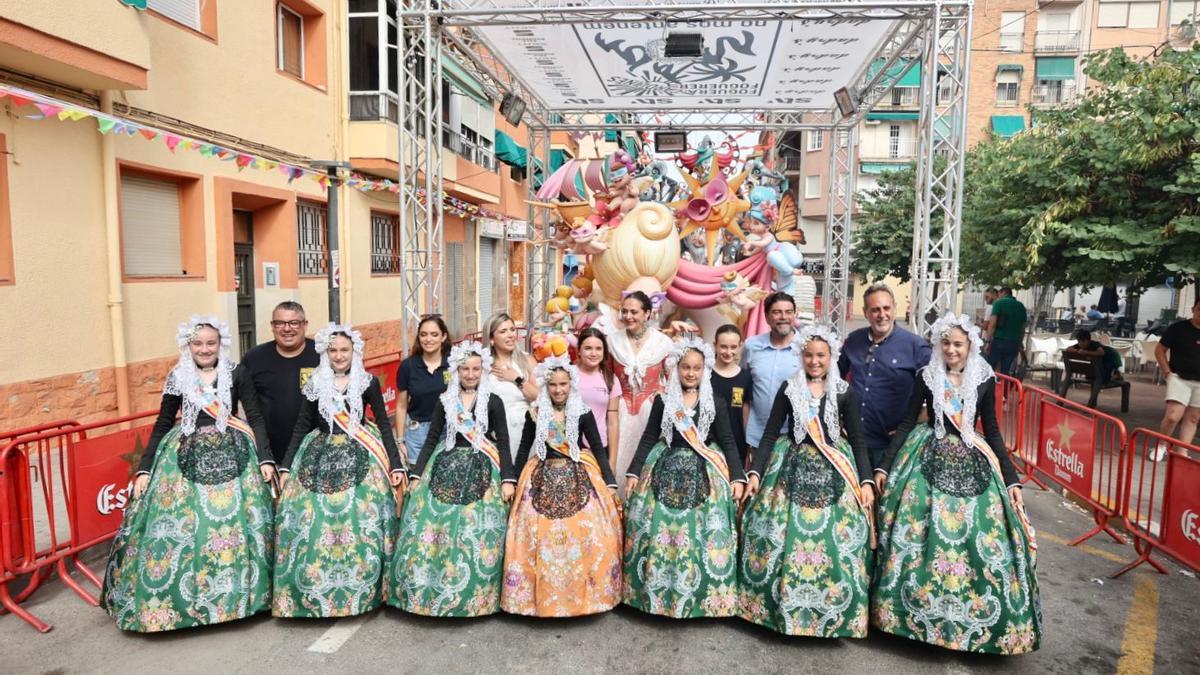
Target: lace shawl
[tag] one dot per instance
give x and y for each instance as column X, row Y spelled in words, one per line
column 452, row 398
column 800, row 396
column 976, row 372
column 321, row 388
column 673, row 396
column 545, row 408
column 184, row 379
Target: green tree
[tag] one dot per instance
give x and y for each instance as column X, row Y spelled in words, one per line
column 1107, row 190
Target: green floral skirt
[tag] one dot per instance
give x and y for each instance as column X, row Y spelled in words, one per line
column 954, row 564
column 334, row 532
column 680, row 541
column 195, row 548
column 450, row 553
column 805, row 555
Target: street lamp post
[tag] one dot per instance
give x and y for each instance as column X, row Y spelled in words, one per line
column 333, row 271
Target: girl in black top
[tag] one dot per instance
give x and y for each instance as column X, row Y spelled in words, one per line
column 732, row 383
column 420, row 380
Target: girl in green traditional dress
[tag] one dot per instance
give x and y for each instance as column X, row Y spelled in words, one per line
column 336, row 524
column 195, row 545
column 956, row 552
column 683, row 486
column 804, row 564
column 450, row 555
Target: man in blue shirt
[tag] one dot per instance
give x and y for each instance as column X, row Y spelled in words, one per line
column 771, row 358
column 881, row 362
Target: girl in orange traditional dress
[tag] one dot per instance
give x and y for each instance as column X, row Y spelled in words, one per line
column 563, row 551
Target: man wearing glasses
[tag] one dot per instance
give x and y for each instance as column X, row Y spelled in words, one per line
column 881, row 362
column 279, row 369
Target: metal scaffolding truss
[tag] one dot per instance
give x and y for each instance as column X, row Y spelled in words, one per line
column 932, row 33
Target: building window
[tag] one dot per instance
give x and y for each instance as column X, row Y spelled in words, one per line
column 816, row 140
column 162, row 224
column 312, row 248
column 1012, row 31
column 1127, row 14
column 894, row 141
column 812, row 187
column 1008, row 89
column 1185, row 10
column 385, row 243
column 373, row 46
column 186, row 12
column 289, row 27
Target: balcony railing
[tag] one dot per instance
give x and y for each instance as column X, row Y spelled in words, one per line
column 1052, row 95
column 374, row 106
column 1056, row 41
column 792, row 162
column 898, row 97
column 892, row 148
column 469, row 150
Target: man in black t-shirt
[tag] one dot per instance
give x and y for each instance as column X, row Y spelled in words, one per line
column 1178, row 355
column 279, row 369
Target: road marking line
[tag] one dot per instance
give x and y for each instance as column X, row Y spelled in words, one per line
column 1141, row 629
column 1099, row 553
column 337, row 635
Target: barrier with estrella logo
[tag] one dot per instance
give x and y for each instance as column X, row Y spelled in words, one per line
column 83, row 472
column 1162, row 506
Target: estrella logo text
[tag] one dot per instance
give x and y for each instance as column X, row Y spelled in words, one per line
column 1064, row 461
column 1190, row 524
column 109, row 499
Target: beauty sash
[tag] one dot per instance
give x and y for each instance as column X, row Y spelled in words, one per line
column 686, row 426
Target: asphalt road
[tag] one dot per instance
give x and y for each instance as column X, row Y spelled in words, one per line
column 1143, row 622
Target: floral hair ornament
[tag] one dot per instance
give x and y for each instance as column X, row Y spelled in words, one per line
column 465, row 350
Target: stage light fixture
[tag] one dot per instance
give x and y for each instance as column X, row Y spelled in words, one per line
column 845, row 102
column 670, row 141
column 682, row 45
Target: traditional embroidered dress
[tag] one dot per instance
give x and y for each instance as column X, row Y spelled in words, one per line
column 804, row 563
column 336, row 521
column 563, row 552
column 956, row 558
column 680, row 543
column 641, row 377
column 195, row 548
column 450, row 552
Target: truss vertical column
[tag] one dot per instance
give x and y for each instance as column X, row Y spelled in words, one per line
column 835, row 295
column 419, row 75
column 938, row 218
column 540, row 273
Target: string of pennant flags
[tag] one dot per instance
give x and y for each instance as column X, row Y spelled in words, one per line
column 52, row 108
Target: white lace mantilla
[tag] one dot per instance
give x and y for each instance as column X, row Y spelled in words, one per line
column 976, row 372
column 575, row 407
column 801, row 397
column 673, row 396
column 184, row 379
column 452, row 397
column 321, row 388
column 656, row 348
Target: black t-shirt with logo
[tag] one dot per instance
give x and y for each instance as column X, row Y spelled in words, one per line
column 423, row 387
column 278, row 381
column 737, row 391
column 1182, row 338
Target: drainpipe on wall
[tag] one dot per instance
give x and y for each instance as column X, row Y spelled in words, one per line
column 112, row 237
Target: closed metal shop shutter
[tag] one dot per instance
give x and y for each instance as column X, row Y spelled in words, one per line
column 150, row 226
column 453, row 282
column 486, row 282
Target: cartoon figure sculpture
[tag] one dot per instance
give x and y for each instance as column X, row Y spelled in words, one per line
column 643, row 255
column 773, row 232
column 763, row 176
column 712, row 207
column 556, row 340
column 739, row 297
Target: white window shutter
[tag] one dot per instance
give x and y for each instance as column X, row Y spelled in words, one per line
column 150, row 226
column 186, row 12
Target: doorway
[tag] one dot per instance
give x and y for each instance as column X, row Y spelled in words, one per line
column 243, row 275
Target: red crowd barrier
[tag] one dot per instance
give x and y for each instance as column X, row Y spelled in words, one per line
column 1010, row 399
column 1078, row 448
column 84, row 476
column 1162, row 505
column 384, row 368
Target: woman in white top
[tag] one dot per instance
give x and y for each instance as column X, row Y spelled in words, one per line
column 511, row 376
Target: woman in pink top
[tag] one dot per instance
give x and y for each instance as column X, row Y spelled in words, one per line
column 599, row 388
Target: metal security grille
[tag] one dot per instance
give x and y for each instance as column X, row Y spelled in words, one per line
column 312, row 251
column 455, row 266
column 385, row 243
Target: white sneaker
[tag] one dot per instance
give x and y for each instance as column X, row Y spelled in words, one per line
column 1160, row 452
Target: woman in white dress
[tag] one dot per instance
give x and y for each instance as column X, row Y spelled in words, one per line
column 511, row 375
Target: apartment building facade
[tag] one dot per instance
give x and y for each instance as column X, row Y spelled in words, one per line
column 108, row 240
